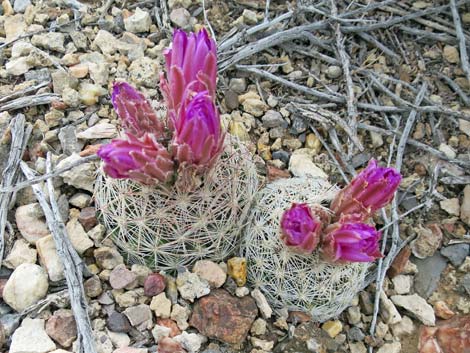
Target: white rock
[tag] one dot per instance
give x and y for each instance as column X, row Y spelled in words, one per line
column 249, row 17
column 388, row 311
column 242, row 291
column 50, row 41
column 78, row 237
column 180, row 17
column 103, row 343
column 301, row 165
column 191, row 286
column 262, row 303
column 180, row 314
column 404, row 328
column 451, row 206
column 119, row 339
column 264, row 345
column 254, row 106
column 464, row 126
column 161, row 305
column 192, row 342
column 402, row 284
column 211, row 272
column 258, row 328
column 26, row 286
column 357, row 347
column 21, row 253
column 17, row 67
column 416, row 306
column 31, row 337
column 98, row 131
column 376, row 138
column 30, row 222
column 447, row 150
column 80, row 200
column 394, row 347
column 82, row 176
column 139, row 22
column 159, row 332
column 49, row 258
column 465, row 207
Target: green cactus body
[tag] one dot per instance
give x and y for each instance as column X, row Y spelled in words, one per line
column 164, row 227
column 288, row 279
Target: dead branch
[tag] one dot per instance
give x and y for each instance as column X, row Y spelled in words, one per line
column 20, row 132
column 29, row 101
column 71, row 262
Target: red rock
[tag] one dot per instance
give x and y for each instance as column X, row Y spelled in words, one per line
column 224, row 317
column 90, row 150
column 154, row 284
column 87, row 218
column 168, row 345
column 175, row 331
column 398, row 265
column 449, row 336
column 276, row 173
column 61, row 327
column 59, row 105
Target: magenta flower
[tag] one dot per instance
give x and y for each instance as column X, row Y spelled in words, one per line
column 142, row 159
column 300, row 228
column 191, row 64
column 135, row 111
column 198, row 136
column 351, row 242
column 369, row 191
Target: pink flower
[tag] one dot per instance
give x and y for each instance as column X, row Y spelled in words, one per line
column 198, row 136
column 300, row 228
column 135, row 111
column 142, row 159
column 351, row 242
column 369, row 191
column 191, row 64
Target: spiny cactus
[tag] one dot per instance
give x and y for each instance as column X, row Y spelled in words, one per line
column 166, row 227
column 287, row 278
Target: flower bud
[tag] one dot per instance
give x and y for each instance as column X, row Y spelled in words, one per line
column 198, row 135
column 135, row 112
column 142, row 159
column 370, row 190
column 191, row 64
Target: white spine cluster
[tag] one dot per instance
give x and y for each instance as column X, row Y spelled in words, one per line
column 167, row 228
column 287, row 279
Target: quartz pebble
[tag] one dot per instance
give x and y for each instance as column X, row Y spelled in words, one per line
column 26, row 286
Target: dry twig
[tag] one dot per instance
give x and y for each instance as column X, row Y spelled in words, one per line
column 20, row 132
column 71, row 262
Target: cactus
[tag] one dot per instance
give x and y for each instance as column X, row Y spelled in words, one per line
column 288, row 278
column 166, row 227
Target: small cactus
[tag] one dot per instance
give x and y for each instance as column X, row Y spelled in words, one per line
column 287, row 278
column 166, row 227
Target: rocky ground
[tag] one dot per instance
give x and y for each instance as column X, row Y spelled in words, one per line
column 321, row 96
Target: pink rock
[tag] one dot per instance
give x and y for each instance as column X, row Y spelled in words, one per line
column 121, row 277
column 175, row 331
column 154, row 284
column 168, row 345
column 449, row 336
column 61, row 327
